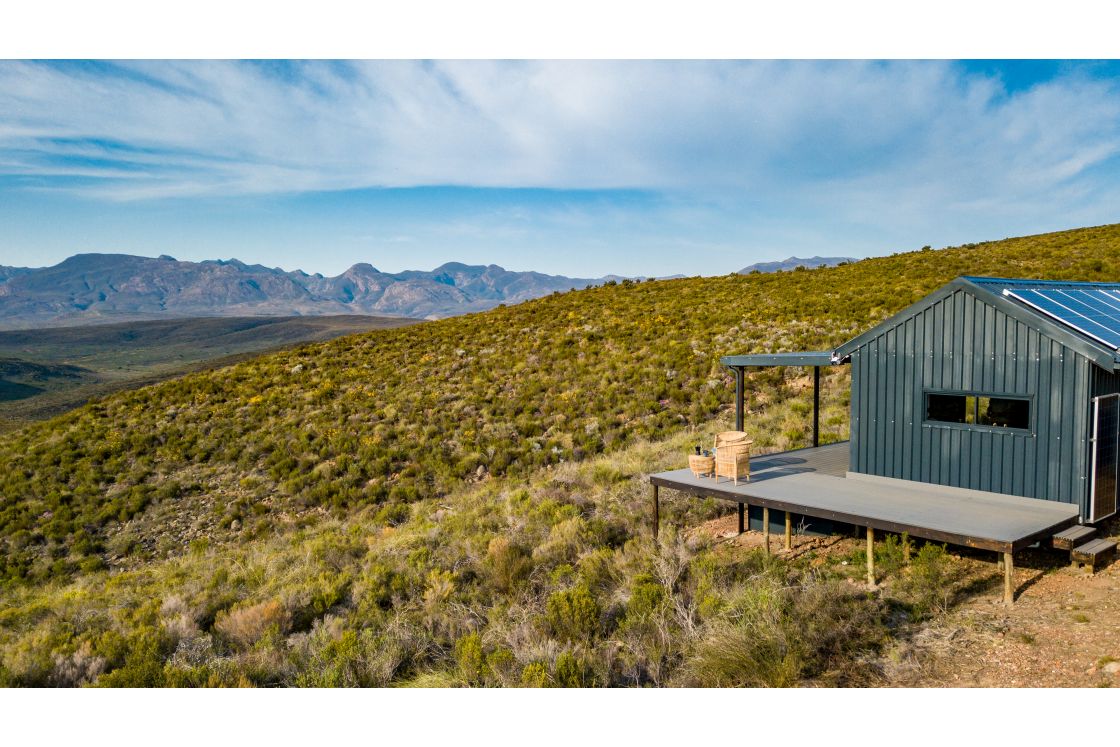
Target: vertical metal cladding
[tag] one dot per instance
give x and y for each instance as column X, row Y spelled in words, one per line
column 960, row 343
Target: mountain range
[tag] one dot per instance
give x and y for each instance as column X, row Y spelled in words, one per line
column 793, row 263
column 93, row 288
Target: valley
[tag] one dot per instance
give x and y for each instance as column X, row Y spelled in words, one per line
column 45, row 372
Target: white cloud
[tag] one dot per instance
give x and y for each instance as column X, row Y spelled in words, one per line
column 851, row 138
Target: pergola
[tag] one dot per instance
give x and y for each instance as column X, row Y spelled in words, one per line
column 739, row 363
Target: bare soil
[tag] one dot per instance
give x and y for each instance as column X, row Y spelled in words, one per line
column 1062, row 631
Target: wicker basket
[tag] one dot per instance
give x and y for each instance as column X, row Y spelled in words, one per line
column 702, row 465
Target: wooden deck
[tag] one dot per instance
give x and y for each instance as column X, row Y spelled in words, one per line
column 815, row 482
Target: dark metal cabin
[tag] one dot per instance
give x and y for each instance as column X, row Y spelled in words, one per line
column 1000, row 385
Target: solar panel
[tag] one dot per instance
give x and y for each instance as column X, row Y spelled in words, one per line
column 1094, row 312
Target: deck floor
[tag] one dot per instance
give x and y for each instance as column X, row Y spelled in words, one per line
column 815, row 482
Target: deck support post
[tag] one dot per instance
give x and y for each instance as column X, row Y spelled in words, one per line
column 742, row 522
column 789, row 531
column 766, row 528
column 999, row 561
column 871, row 557
column 1008, row 579
column 905, row 548
column 738, row 398
column 656, row 512
column 816, row 406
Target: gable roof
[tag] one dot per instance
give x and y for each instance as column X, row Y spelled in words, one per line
column 1025, row 301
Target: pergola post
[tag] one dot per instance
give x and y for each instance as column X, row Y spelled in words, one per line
column 738, row 398
column 816, row 405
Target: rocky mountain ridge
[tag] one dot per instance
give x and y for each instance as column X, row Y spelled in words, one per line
column 90, row 288
column 792, row 263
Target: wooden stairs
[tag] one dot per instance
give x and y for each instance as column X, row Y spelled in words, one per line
column 1085, row 548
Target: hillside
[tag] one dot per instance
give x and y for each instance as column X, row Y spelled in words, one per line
column 459, row 502
column 98, row 288
column 45, row 372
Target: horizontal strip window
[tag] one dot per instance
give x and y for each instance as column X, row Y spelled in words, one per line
column 979, row 409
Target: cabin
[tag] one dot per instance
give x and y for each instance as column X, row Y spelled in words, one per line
column 1009, row 386
column 987, row 414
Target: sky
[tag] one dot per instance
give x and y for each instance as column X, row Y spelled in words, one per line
column 575, row 168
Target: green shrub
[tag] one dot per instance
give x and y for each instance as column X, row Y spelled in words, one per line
column 354, row 659
column 571, row 671
column 930, row 585
column 573, row 615
column 471, row 659
column 143, row 664
column 535, row 674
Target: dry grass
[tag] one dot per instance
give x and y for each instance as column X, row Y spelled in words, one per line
column 244, row 626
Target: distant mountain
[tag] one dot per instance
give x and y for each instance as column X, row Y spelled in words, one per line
column 6, row 273
column 793, row 263
column 90, row 288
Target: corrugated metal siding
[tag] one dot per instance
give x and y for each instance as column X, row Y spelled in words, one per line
column 961, row 343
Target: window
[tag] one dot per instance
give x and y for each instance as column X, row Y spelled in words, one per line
column 946, row 408
column 978, row 409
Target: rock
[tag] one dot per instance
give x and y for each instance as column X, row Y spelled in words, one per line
column 235, row 525
column 1111, row 667
column 297, row 368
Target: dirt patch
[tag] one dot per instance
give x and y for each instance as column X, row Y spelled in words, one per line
column 1062, row 631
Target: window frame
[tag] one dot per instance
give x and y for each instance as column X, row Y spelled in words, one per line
column 1003, row 429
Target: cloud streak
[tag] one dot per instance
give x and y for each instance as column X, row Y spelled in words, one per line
column 149, row 130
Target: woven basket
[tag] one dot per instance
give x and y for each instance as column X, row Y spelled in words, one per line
column 701, row 465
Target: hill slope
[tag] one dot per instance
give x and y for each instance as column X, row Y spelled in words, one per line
column 426, row 506
column 92, row 288
column 387, row 418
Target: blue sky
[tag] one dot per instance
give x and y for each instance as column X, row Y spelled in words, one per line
column 579, row 168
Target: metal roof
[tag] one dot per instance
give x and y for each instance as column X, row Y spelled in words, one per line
column 1034, row 283
column 818, row 358
column 1001, row 293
